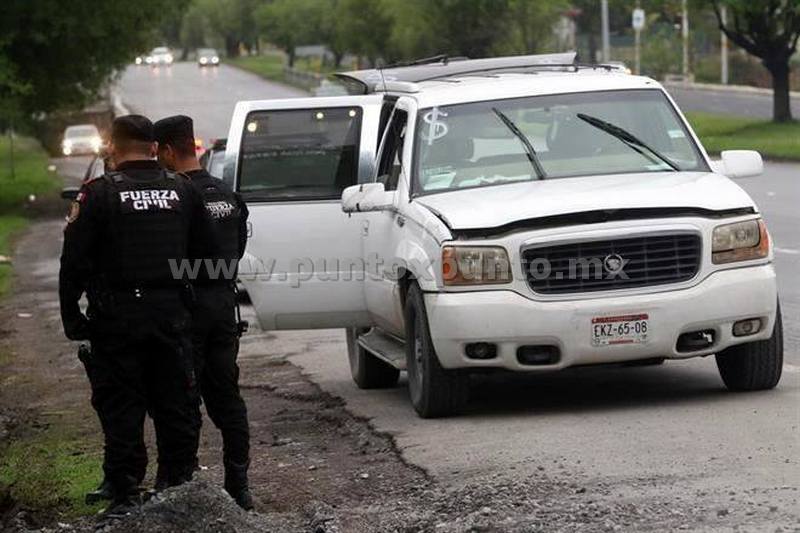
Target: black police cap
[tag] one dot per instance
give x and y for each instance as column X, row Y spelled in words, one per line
column 132, row 128
column 175, row 129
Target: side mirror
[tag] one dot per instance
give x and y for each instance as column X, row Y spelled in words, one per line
column 366, row 197
column 70, row 193
column 739, row 164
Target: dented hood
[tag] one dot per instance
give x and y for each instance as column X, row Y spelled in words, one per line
column 495, row 206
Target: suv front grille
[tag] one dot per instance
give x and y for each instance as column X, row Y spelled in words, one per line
column 588, row 266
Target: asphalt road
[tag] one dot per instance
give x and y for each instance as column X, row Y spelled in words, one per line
column 208, row 95
column 659, row 432
column 728, row 103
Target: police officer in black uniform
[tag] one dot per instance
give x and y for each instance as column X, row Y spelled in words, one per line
column 127, row 235
column 216, row 327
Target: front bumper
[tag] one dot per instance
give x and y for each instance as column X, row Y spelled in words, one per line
column 511, row 320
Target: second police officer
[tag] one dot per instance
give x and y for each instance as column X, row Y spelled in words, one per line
column 216, row 328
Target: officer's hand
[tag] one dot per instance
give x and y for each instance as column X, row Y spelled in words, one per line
column 77, row 329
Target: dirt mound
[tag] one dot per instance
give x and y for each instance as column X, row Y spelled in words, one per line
column 197, row 507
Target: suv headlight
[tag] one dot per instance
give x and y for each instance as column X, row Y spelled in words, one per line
column 741, row 241
column 475, row 265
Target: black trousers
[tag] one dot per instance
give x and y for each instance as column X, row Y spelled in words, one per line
column 139, row 457
column 216, row 346
column 142, row 363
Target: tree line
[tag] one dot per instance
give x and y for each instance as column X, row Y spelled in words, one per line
column 55, row 57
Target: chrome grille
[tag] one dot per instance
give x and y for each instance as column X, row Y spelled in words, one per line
column 584, row 266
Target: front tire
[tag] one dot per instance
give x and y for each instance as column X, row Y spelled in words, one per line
column 368, row 371
column 434, row 391
column 754, row 365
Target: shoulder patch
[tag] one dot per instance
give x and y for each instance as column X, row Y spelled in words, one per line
column 74, row 212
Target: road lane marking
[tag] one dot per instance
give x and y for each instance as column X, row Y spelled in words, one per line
column 787, row 251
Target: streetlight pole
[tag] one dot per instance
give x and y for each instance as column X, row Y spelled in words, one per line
column 685, row 32
column 604, row 24
column 723, row 46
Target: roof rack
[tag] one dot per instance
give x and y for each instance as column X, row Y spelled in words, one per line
column 442, row 67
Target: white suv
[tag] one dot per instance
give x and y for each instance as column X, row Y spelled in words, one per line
column 526, row 214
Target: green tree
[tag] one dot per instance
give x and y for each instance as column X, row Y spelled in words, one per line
column 768, row 30
column 532, row 24
column 291, row 23
column 232, row 21
column 55, row 56
column 364, row 27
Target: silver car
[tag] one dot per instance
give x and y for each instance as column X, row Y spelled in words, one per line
column 81, row 139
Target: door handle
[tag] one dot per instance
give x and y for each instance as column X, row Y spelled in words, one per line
column 401, row 220
column 365, row 228
column 249, row 229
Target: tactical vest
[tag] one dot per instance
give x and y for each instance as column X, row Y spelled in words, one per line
column 223, row 208
column 147, row 228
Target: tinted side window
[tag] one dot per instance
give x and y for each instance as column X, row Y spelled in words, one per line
column 305, row 154
column 390, row 164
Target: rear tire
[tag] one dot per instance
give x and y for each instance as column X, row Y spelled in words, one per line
column 434, row 391
column 368, row 371
column 754, row 365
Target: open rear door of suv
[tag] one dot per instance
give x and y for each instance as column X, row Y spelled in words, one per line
column 290, row 160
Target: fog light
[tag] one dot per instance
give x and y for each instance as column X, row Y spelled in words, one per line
column 539, row 354
column 743, row 328
column 481, row 350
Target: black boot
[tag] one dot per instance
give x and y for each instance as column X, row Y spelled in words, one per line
column 237, row 486
column 126, row 499
column 162, row 479
column 102, row 492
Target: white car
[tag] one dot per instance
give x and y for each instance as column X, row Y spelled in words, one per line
column 81, row 139
column 160, row 56
column 207, row 57
column 523, row 214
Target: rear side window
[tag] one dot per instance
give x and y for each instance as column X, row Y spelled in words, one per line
column 306, row 154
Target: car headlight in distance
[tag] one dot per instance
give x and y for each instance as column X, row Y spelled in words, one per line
column 215, row 59
column 740, row 241
column 475, row 265
column 168, row 58
column 203, row 60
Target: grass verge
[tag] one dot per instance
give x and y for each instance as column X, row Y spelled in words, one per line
column 30, row 174
column 722, row 132
column 9, row 225
column 52, row 470
column 269, row 66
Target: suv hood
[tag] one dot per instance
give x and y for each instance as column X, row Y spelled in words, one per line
column 495, row 206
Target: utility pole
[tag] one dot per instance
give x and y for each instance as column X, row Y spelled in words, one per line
column 637, row 21
column 723, row 46
column 685, row 31
column 604, row 29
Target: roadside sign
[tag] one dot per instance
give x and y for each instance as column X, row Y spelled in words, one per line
column 637, row 19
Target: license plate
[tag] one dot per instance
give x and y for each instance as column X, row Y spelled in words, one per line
column 624, row 329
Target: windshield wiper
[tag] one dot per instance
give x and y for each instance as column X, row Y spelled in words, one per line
column 529, row 150
column 628, row 138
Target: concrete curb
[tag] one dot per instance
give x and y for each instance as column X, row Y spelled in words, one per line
column 741, row 89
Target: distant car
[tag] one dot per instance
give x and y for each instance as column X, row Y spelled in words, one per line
column 160, row 56
column 213, row 160
column 207, row 57
column 81, row 139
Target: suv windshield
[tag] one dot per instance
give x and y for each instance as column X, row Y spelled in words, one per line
column 547, row 137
